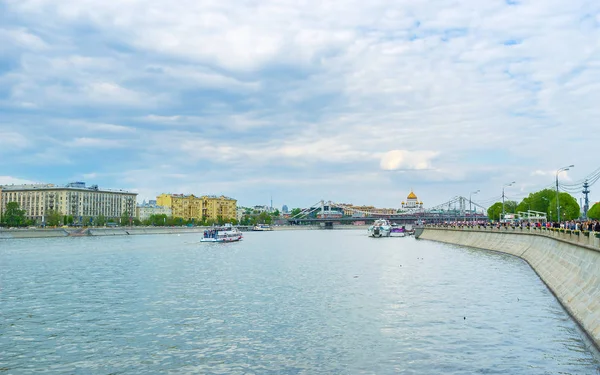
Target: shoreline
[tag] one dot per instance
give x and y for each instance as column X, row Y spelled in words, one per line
column 7, row 234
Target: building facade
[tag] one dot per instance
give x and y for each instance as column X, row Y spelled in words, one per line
column 75, row 199
column 198, row 208
column 145, row 210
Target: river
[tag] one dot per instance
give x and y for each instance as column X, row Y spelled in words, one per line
column 282, row 302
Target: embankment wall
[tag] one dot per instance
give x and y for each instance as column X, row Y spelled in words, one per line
column 570, row 270
column 33, row 233
column 123, row 231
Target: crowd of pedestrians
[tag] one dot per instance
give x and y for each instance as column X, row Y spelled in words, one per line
column 580, row 225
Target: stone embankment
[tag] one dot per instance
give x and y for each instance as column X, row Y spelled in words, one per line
column 569, row 263
column 128, row 231
column 121, row 231
column 33, row 233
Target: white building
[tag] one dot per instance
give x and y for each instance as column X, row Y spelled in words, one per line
column 145, row 210
column 412, row 202
column 74, row 199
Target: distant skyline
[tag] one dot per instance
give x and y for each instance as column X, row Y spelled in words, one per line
column 350, row 101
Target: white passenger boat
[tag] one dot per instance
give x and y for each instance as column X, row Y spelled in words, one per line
column 226, row 233
column 381, row 228
column 262, row 228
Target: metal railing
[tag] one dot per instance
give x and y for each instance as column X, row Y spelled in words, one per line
column 577, row 237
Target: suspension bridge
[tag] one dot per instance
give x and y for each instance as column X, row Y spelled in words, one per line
column 456, row 209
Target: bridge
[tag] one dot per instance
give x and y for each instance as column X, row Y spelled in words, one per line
column 328, row 212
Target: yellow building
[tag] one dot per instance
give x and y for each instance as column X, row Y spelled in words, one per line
column 199, row 208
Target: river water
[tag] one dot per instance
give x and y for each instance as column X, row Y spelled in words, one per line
column 282, row 302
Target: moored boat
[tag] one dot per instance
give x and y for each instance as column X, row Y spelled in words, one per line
column 381, row 228
column 262, row 228
column 398, row 231
column 226, row 233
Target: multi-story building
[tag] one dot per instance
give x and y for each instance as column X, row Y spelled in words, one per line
column 74, row 199
column 145, row 210
column 198, row 208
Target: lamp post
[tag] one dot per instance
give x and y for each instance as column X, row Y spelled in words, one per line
column 470, row 210
column 506, row 185
column 557, row 199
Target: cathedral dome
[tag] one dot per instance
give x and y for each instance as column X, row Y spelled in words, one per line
column 411, row 196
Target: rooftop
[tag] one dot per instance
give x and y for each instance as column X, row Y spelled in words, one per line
column 77, row 186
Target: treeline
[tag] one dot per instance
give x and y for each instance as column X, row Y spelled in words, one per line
column 14, row 216
column 164, row 220
column 545, row 201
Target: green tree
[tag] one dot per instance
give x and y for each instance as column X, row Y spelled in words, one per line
column 53, row 218
column 125, row 219
column 495, row 211
column 276, row 213
column 13, row 215
column 538, row 201
column 100, row 221
column 569, row 208
column 157, row 220
column 510, row 207
column 264, row 218
column 594, row 212
column 295, row 212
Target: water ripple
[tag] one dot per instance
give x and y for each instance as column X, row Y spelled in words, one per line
column 307, row 302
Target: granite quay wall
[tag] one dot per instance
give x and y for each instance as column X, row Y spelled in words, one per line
column 568, row 263
column 125, row 231
column 32, row 233
column 119, row 231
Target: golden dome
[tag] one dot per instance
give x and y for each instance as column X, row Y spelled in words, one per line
column 411, row 196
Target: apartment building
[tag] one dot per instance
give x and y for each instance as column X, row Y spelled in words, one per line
column 198, row 208
column 74, row 199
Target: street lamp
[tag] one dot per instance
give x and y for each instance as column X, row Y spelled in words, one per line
column 506, row 185
column 557, row 204
column 470, row 210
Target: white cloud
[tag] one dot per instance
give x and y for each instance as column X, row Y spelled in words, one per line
column 403, row 159
column 10, row 141
column 21, row 38
column 327, row 88
column 9, row 180
column 86, row 142
column 564, row 175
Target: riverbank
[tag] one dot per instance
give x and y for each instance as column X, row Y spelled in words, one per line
column 129, row 231
column 100, row 231
column 570, row 269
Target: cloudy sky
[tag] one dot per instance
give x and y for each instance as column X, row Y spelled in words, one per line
column 349, row 101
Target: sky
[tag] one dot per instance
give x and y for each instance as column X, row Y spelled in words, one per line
column 301, row 101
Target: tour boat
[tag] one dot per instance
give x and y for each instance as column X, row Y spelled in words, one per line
column 397, row 231
column 226, row 233
column 262, row 228
column 381, row 228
